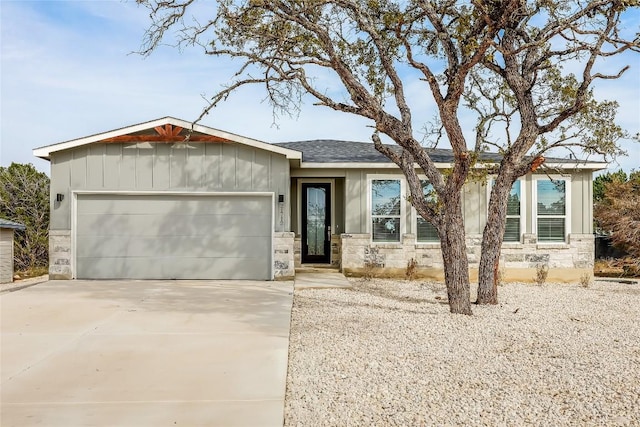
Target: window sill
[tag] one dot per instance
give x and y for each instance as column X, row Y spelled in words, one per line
column 512, row 245
column 387, row 245
column 552, row 245
column 428, row 245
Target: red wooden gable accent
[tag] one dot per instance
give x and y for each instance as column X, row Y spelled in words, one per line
column 166, row 133
column 168, row 130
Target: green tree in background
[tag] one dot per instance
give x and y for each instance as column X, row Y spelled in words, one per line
column 24, row 198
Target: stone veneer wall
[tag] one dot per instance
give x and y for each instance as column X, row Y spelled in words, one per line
column 60, row 255
column 297, row 251
column 336, row 248
column 283, row 256
column 336, row 251
column 566, row 261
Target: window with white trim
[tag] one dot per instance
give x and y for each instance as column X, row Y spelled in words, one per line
column 425, row 231
column 551, row 210
column 513, row 223
column 386, row 201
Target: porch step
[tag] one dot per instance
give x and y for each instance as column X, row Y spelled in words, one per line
column 321, row 278
column 317, row 268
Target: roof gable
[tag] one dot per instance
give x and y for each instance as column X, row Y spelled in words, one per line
column 164, row 130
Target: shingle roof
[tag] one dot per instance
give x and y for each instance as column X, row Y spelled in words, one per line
column 5, row 223
column 335, row 151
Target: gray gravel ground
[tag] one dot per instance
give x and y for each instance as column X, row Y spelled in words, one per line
column 389, row 353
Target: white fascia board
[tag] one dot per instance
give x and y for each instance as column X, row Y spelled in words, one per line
column 559, row 166
column 45, row 152
column 354, row 165
column 348, row 165
column 586, row 165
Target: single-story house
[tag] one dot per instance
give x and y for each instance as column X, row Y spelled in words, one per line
column 141, row 202
column 6, row 248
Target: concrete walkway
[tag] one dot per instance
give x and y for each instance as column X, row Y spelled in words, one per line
column 318, row 279
column 145, row 353
column 21, row 284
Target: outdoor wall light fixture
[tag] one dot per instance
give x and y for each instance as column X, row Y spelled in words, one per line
column 281, row 209
column 59, row 197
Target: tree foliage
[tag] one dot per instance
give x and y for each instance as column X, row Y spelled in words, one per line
column 501, row 61
column 24, row 198
column 617, row 212
column 601, row 181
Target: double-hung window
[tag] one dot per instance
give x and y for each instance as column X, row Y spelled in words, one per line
column 386, row 200
column 515, row 214
column 512, row 225
column 551, row 209
column 425, row 231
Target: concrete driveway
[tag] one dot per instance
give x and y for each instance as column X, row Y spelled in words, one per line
column 145, row 353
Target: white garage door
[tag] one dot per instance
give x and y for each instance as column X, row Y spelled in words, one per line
column 173, row 237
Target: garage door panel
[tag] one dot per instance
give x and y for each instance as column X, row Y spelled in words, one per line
column 173, row 237
column 171, row 268
column 99, row 204
column 155, row 225
column 172, row 246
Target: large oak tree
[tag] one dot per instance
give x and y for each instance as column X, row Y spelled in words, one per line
column 501, row 60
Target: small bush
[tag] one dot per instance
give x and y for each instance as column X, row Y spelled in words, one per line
column 412, row 269
column 368, row 272
column 542, row 271
column 586, row 280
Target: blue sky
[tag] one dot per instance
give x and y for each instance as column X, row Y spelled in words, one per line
column 67, row 71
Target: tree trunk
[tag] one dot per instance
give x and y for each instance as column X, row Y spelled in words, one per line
column 454, row 253
column 492, row 238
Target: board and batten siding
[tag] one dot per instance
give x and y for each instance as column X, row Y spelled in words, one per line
column 6, row 255
column 582, row 202
column 356, row 189
column 475, row 199
column 203, row 167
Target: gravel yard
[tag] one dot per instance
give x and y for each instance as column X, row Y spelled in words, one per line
column 389, row 353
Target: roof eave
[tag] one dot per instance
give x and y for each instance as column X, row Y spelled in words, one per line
column 14, row 226
column 362, row 165
column 594, row 166
column 440, row 165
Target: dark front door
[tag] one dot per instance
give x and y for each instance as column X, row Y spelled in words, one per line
column 316, row 223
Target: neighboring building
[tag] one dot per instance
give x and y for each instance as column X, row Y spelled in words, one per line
column 141, row 203
column 6, row 249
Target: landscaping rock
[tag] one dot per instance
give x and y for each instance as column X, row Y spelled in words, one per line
column 390, row 353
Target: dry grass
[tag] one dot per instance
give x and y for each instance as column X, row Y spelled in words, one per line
column 32, row 272
column 614, row 267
